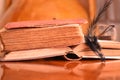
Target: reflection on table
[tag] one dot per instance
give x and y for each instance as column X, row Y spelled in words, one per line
column 60, row 70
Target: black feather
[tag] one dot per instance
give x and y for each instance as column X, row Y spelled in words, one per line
column 90, row 38
column 96, row 19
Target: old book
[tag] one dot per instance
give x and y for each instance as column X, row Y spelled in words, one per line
column 35, row 38
column 105, row 44
column 41, row 34
column 80, row 51
column 32, row 36
column 110, row 49
column 33, row 42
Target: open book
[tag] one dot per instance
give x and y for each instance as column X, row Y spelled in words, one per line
column 80, row 50
column 43, row 39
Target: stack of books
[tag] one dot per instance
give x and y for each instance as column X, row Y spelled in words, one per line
column 29, row 40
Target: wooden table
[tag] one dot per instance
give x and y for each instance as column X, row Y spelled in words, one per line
column 54, row 69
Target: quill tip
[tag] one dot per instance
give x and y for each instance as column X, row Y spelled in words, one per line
column 102, row 58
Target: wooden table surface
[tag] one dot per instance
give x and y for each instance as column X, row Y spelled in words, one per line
column 51, row 69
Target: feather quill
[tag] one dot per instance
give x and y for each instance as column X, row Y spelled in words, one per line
column 92, row 25
column 90, row 38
